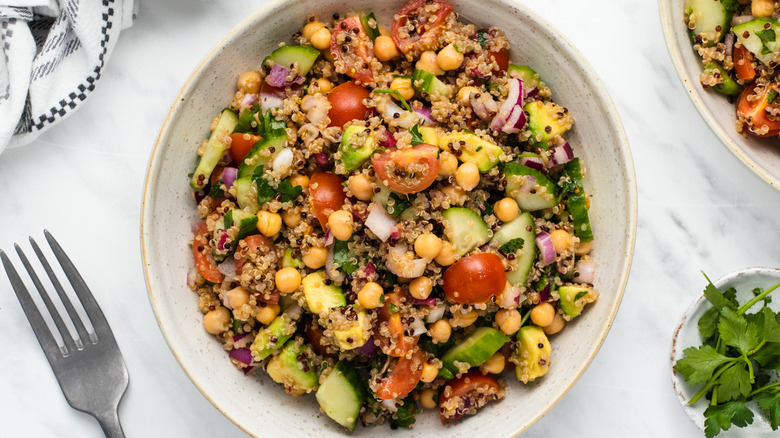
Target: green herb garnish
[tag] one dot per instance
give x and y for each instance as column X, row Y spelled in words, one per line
column 481, row 37
column 512, row 246
column 394, row 309
column 771, row 96
column 397, row 94
column 264, row 190
column 400, row 205
column 766, row 36
column 416, row 136
column 216, row 191
column 343, row 257
column 288, row 191
column 404, row 416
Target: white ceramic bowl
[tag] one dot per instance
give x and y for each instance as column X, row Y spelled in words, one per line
column 761, row 155
column 257, row 404
column 687, row 334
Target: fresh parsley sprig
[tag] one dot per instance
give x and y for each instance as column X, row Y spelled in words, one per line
column 395, row 93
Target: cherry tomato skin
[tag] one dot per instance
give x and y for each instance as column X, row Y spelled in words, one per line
column 426, row 36
column 254, row 243
column 755, row 113
column 326, row 194
column 403, row 379
column 468, row 385
column 314, row 334
column 201, row 252
column 240, row 145
column 474, row 279
column 501, row 58
column 401, row 346
column 346, row 104
column 743, row 64
column 401, row 159
column 358, row 56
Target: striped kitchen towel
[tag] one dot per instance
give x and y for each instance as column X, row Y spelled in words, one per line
column 54, row 52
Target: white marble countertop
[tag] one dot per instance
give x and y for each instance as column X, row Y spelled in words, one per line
column 699, row 209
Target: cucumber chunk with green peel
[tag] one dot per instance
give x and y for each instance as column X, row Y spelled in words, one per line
column 533, row 353
column 546, row 120
column 321, row 297
column 729, row 87
column 215, row 147
column 541, row 194
column 475, row 349
column 526, row 74
column 577, row 202
column 574, row 299
column 246, row 194
column 288, row 261
column 521, row 227
column 292, row 367
column 426, row 82
column 465, row 229
column 257, row 157
column 245, row 223
column 370, row 25
column 286, row 56
column 356, row 147
column 342, row 394
column 272, row 337
column 484, row 153
column 710, row 19
column 761, row 37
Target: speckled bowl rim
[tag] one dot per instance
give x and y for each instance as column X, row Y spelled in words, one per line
column 575, row 56
column 715, row 126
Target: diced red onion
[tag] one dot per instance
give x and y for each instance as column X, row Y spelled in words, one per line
column 528, row 184
column 533, row 162
column 513, row 99
column 330, row 267
column 228, row 267
column 544, row 294
column 248, row 100
column 739, row 19
column 561, row 154
column 270, row 100
column 404, row 119
column 243, row 355
column 417, row 327
column 192, row 277
column 509, row 298
column 585, row 271
column 498, row 122
column 396, row 235
column 545, row 244
column 322, row 160
column 390, row 405
column 328, row 238
column 370, row 269
column 516, row 121
column 269, row 298
column 428, row 302
column 369, row 348
column 249, row 370
column 277, row 77
column 531, row 92
column 283, row 160
column 436, row 313
column 399, row 263
column 477, row 73
column 729, row 43
column 388, row 141
column 229, row 175
column 426, row 118
column 242, row 340
column 380, row 222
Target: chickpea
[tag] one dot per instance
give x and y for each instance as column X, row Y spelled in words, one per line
column 421, row 287
column 268, row 223
column 464, row 94
column 467, row 176
column 237, row 297
column 428, row 398
column 446, row 256
column 383, row 31
column 508, row 321
column 321, row 85
column 494, row 365
column 371, row 296
column 291, row 218
column 267, row 314
column 321, row 38
column 543, row 314
column 448, row 164
column 217, row 321
column 315, row 257
column 360, row 186
column 583, row 248
column 287, row 280
column 562, row 240
column 299, row 180
column 404, row 87
column 428, row 63
column 556, row 326
column 340, row 224
column 440, row 331
column 385, row 49
column 249, row 82
column 762, row 8
column 464, row 319
column 311, row 27
column 427, row 246
column 429, row 373
column 449, row 58
column 506, row 209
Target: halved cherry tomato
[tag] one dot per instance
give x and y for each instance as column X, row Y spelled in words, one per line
column 470, row 390
column 251, row 244
column 201, row 252
column 502, row 59
column 743, row 63
column 346, row 104
column 426, row 25
column 474, row 279
column 755, row 113
column 326, row 194
column 314, row 334
column 240, row 145
column 396, row 344
column 407, row 170
column 404, row 377
column 350, row 45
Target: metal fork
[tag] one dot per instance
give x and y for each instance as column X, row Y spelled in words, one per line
column 90, row 368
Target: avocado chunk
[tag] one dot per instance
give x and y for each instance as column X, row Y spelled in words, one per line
column 288, row 261
column 546, row 120
column 292, row 367
column 215, row 147
column 542, row 194
column 475, row 349
column 342, row 394
column 574, row 299
column 272, row 337
column 761, row 37
column 429, row 134
column 286, row 56
column 473, row 148
column 729, row 86
column 533, row 353
column 356, row 147
column 710, row 20
column 465, row 228
column 350, row 333
column 321, row 297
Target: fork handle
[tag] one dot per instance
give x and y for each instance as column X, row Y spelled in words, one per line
column 109, row 422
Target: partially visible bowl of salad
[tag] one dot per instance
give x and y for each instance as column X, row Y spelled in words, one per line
column 725, row 54
column 386, row 215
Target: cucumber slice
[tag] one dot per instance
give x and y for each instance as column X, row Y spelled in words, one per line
column 574, row 299
column 246, row 223
column 255, row 158
column 356, row 147
column 288, row 261
column 541, row 196
column 761, row 37
column 711, row 20
column 473, row 148
column 286, row 56
column 321, row 297
column 533, row 353
column 371, row 31
column 425, row 82
column 214, row 149
column 729, row 87
column 465, row 229
column 526, row 74
column 475, row 349
column 577, row 202
column 293, row 368
column 522, row 227
column 280, row 329
column 342, row 394
column 545, row 121
column 246, row 195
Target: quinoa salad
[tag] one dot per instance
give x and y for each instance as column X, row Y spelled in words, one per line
column 739, row 44
column 391, row 218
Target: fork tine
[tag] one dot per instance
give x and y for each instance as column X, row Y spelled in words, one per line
column 74, row 317
column 80, row 287
column 42, row 333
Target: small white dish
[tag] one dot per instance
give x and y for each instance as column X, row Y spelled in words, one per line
column 687, row 334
